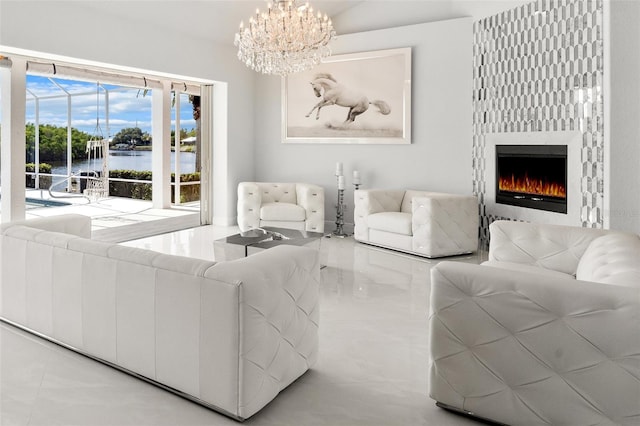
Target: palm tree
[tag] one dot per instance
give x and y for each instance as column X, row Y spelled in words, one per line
column 195, row 102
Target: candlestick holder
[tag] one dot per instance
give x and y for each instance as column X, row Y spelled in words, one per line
column 340, row 211
column 357, row 185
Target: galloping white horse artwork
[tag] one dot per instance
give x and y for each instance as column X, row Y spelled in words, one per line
column 334, row 93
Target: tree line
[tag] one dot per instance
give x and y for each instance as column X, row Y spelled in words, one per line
column 135, row 136
column 53, row 141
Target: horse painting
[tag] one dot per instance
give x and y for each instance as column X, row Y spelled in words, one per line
column 334, row 93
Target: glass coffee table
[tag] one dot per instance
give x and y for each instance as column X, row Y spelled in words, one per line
column 258, row 239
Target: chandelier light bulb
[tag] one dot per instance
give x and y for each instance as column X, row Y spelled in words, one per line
column 290, row 40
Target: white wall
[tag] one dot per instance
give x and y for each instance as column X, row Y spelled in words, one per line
column 624, row 108
column 439, row 158
column 71, row 29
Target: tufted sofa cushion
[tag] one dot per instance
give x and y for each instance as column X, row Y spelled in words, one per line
column 612, row 259
column 521, row 267
column 75, row 224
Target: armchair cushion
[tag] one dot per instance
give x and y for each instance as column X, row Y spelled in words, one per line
column 395, row 222
column 282, row 211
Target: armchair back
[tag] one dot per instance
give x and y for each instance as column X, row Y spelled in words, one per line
column 554, row 247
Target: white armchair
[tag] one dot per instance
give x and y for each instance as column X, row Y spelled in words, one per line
column 546, row 332
column 428, row 224
column 285, row 205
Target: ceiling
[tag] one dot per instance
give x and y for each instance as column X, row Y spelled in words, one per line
column 218, row 20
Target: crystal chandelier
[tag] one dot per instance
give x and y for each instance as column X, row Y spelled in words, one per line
column 284, row 40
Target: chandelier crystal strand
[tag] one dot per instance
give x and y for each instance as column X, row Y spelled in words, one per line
column 284, row 40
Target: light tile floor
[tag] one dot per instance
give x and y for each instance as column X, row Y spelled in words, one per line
column 372, row 368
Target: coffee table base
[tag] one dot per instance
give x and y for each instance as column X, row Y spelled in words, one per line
column 247, row 243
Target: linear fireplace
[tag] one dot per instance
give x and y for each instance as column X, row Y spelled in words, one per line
column 532, row 176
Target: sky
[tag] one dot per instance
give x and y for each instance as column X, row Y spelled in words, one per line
column 128, row 107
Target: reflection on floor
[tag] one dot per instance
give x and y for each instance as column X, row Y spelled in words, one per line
column 372, row 368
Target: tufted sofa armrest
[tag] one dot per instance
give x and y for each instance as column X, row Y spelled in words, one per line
column 311, row 198
column 553, row 247
column 444, row 224
column 530, row 349
column 370, row 201
column 249, row 202
column 612, row 259
column 279, row 317
column 74, row 224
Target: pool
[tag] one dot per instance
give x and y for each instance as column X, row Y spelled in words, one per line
column 36, row 203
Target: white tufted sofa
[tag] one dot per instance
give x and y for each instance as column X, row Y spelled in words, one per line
column 546, row 332
column 286, row 205
column 228, row 335
column 430, row 224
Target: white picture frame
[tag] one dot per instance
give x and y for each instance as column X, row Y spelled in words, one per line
column 358, row 98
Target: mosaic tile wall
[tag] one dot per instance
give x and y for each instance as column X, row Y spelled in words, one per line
column 539, row 67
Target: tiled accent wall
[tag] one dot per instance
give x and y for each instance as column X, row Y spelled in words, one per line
column 539, row 67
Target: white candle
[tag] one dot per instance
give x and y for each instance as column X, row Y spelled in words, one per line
column 340, row 182
column 338, row 169
column 356, row 177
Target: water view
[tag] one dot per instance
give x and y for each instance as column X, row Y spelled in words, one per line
column 127, row 160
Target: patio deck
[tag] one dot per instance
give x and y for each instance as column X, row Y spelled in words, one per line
column 115, row 219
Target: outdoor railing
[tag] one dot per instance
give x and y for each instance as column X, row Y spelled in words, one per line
column 118, row 187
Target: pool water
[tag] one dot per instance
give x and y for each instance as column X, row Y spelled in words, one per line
column 36, row 203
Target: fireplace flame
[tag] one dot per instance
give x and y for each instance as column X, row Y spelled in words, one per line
column 525, row 185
